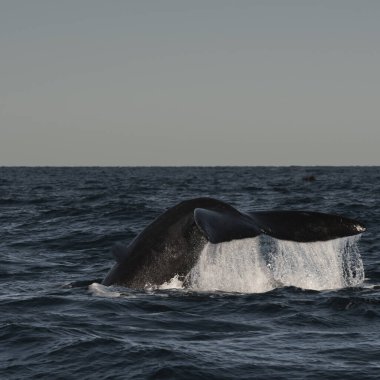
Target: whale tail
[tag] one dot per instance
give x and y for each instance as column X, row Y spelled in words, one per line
column 300, row 226
column 171, row 245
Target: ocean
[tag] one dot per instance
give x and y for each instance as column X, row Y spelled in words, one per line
column 287, row 311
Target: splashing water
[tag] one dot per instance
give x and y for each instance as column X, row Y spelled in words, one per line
column 256, row 266
column 174, row 283
column 325, row 265
column 235, row 266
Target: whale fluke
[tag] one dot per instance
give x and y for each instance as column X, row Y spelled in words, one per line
column 171, row 244
column 305, row 226
column 219, row 226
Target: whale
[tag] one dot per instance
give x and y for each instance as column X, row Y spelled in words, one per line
column 171, row 245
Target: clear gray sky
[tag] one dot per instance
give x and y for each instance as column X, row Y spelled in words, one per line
column 87, row 82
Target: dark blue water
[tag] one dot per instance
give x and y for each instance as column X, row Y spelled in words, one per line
column 58, row 225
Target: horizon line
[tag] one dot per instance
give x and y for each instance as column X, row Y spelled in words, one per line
column 185, row 166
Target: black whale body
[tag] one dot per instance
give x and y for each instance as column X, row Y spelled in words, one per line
column 171, row 244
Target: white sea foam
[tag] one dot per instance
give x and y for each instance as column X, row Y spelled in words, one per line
column 174, row 283
column 103, row 291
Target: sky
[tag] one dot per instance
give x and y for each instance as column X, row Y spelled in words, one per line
column 87, row 82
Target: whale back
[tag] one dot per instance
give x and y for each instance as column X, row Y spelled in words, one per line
column 169, row 246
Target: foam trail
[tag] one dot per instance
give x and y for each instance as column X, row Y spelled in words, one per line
column 325, row 265
column 235, row 266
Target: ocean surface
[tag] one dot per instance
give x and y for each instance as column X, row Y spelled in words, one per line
column 257, row 310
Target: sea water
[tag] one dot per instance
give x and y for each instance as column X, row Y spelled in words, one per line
column 251, row 309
